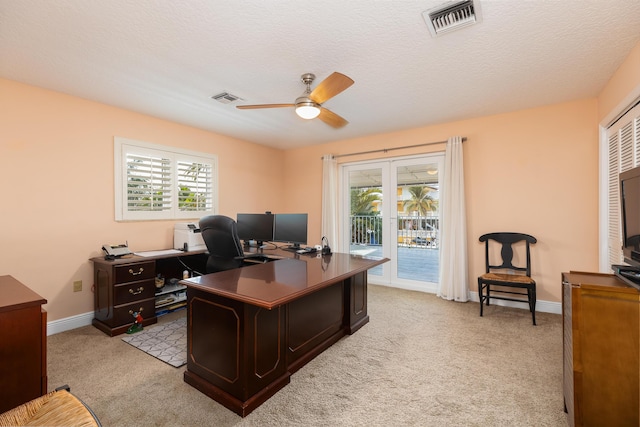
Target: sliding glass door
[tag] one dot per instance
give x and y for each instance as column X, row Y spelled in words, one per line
column 391, row 209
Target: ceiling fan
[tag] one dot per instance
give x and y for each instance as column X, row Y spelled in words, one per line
column 309, row 104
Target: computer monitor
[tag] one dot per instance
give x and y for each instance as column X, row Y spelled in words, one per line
column 290, row 228
column 253, row 226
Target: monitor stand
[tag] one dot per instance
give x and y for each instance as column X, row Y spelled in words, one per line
column 292, row 248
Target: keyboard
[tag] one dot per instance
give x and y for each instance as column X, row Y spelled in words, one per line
column 260, row 258
column 306, row 251
column 299, row 250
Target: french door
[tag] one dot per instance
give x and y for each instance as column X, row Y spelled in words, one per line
column 390, row 208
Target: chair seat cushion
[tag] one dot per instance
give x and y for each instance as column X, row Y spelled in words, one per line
column 505, row 277
column 57, row 408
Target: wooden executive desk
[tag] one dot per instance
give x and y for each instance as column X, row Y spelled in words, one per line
column 250, row 328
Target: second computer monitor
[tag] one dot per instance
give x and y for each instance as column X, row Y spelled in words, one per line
column 253, row 226
column 290, row 228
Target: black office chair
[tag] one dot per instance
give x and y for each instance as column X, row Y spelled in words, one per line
column 506, row 274
column 220, row 234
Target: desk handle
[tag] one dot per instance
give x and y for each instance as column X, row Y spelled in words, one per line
column 139, row 311
column 139, row 291
column 140, row 270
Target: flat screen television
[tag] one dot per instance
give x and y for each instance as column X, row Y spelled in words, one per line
column 290, row 228
column 630, row 215
column 254, row 226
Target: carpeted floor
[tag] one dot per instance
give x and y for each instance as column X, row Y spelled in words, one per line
column 420, row 361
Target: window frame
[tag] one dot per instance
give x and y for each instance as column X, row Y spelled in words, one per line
column 175, row 156
column 620, row 151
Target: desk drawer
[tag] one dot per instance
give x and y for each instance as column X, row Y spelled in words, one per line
column 134, row 291
column 123, row 314
column 135, row 272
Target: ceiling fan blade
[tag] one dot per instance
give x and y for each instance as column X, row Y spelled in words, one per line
column 250, row 107
column 330, row 87
column 331, row 118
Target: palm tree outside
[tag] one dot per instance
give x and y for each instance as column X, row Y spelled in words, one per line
column 366, row 226
column 420, row 201
column 363, row 200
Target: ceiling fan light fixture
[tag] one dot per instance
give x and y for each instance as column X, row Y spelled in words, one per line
column 307, row 109
column 309, row 105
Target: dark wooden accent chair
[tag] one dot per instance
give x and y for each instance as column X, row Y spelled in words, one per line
column 506, row 275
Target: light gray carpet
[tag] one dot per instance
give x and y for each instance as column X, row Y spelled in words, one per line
column 165, row 341
column 420, row 361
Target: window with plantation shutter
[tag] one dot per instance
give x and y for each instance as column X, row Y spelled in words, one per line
column 148, row 183
column 158, row 182
column 614, row 246
column 623, row 140
column 194, row 183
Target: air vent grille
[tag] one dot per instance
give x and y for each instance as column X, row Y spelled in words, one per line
column 226, row 98
column 452, row 16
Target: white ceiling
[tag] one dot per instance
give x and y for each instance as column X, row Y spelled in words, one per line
column 167, row 58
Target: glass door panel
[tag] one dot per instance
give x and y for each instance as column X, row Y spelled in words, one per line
column 392, row 210
column 417, row 221
column 365, row 225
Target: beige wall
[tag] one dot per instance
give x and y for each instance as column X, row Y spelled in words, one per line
column 56, row 176
column 622, row 88
column 532, row 171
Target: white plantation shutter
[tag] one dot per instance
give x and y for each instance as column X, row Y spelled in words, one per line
column 615, row 246
column 148, row 183
column 195, row 182
column 157, row 182
column 623, row 138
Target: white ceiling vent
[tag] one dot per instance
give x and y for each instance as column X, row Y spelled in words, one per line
column 452, row 16
column 226, row 98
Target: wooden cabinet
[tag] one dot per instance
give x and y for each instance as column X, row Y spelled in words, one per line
column 23, row 344
column 121, row 289
column 127, row 285
column 601, row 325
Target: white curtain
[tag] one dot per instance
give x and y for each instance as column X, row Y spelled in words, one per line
column 453, row 283
column 330, row 200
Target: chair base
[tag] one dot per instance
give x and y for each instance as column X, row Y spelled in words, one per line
column 484, row 293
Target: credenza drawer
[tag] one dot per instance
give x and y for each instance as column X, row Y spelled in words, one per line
column 123, row 314
column 135, row 272
column 134, row 291
column 128, row 283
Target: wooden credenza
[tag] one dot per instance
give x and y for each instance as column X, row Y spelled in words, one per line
column 122, row 288
column 23, row 344
column 601, row 331
column 127, row 285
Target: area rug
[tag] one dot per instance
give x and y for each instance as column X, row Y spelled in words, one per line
column 167, row 342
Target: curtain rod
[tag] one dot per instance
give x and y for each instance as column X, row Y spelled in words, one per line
column 384, row 150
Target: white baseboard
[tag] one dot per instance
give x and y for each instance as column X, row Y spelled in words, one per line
column 429, row 288
column 68, row 323
column 541, row 305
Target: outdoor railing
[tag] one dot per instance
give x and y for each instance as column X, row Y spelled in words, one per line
column 412, row 230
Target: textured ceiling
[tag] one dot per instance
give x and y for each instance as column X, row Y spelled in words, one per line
column 167, row 58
